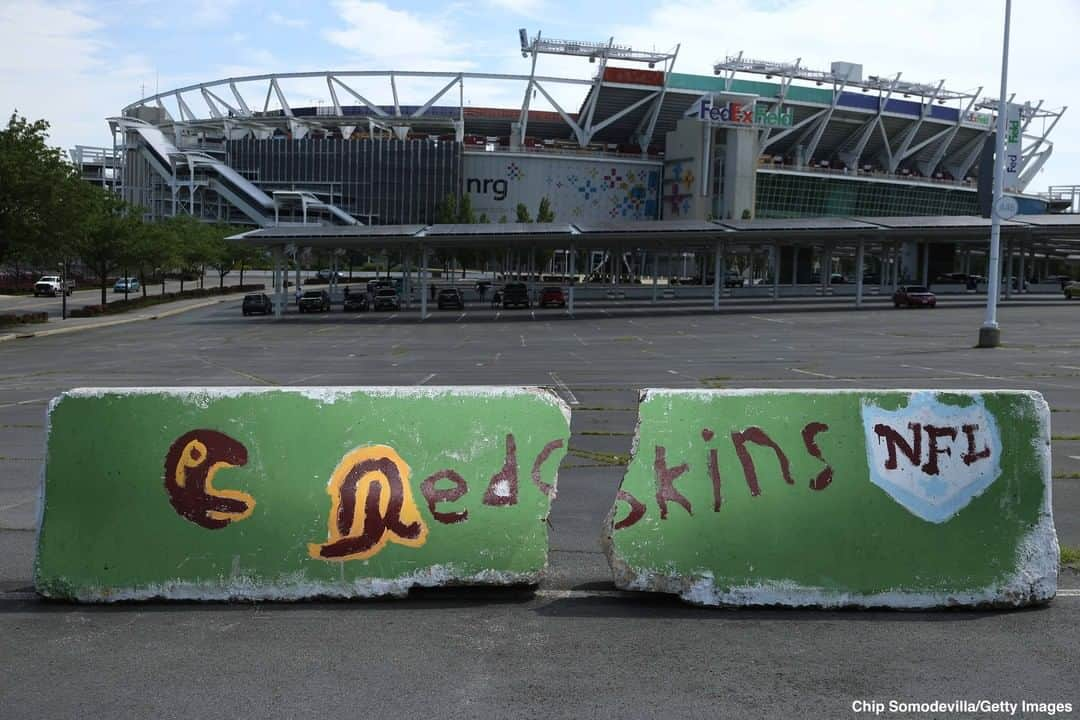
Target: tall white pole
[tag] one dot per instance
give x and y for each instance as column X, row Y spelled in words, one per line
column 990, row 333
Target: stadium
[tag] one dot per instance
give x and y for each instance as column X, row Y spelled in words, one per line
column 752, row 140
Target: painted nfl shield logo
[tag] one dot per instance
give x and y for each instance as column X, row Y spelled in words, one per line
column 932, row 457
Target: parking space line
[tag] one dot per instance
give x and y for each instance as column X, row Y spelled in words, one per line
column 15, row 505
column 815, row 374
column 570, row 397
column 954, row 372
column 522, row 340
column 422, row 382
column 460, row 317
column 25, row 402
column 773, row 320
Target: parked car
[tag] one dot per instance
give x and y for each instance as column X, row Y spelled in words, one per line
column 386, row 298
column 552, row 296
column 314, row 301
column 327, row 275
column 355, row 302
column 515, row 295
column 52, row 285
column 733, row 279
column 1062, row 280
column 257, row 304
column 913, row 296
column 1072, row 291
column 451, row 298
column 126, row 284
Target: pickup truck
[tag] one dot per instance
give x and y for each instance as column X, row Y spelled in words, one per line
column 52, row 285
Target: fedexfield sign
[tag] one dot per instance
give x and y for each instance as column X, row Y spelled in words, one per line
column 743, row 113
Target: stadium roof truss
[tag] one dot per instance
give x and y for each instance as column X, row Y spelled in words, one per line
column 393, row 118
column 905, row 142
column 840, row 119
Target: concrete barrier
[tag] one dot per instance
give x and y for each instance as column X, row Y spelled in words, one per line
column 904, row 499
column 255, row 493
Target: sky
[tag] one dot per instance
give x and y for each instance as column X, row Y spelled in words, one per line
column 77, row 63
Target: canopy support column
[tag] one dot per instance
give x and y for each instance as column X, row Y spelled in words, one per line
column 423, row 282
column 717, row 277
column 573, row 280
column 776, row 270
column 279, row 283
column 860, row 259
column 655, row 274
column 926, row 264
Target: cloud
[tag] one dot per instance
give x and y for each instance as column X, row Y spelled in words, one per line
column 212, row 12
column 398, row 39
column 927, row 40
column 289, row 22
column 526, row 8
column 55, row 66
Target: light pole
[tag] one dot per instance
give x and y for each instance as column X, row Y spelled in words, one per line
column 990, row 333
column 63, row 291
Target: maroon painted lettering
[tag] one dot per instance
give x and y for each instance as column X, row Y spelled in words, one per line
column 637, row 510
column 434, row 495
column 503, row 488
column 932, row 434
column 665, row 483
column 190, row 465
column 759, row 437
column 714, row 470
column 375, row 522
column 540, row 459
column 895, row 440
column 714, row 475
column 809, row 433
column 971, row 457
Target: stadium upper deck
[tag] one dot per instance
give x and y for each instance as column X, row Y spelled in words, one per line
column 833, row 127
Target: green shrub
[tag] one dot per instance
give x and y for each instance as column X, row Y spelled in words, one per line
column 23, row 318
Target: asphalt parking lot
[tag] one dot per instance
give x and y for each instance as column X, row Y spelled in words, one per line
column 574, row 646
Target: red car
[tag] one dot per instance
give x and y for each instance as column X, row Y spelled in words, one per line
column 552, row 297
column 913, row 296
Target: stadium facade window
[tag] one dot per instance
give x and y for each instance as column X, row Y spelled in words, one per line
column 787, row 195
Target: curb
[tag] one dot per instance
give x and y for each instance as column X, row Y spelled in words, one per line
column 109, row 323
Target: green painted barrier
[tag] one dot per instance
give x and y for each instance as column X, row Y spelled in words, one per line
column 835, row 498
column 253, row 493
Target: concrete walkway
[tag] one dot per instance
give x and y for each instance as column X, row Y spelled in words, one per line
column 56, row 326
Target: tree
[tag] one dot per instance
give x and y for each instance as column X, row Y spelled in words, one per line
column 545, row 214
column 446, row 212
column 484, row 220
column 35, row 191
column 465, row 213
column 111, row 230
column 190, row 247
column 154, row 253
column 224, row 256
column 523, row 214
